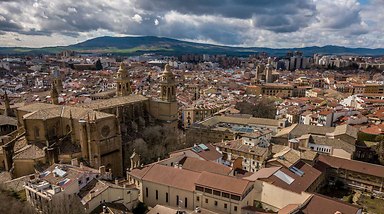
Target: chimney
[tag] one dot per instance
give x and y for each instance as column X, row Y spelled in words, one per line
column 81, row 165
column 116, row 182
column 102, row 170
column 74, row 162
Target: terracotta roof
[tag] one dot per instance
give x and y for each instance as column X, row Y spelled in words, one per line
column 297, row 130
column 352, row 165
column 374, row 129
column 300, row 183
column 197, row 165
column 325, row 205
column 92, row 190
column 113, row 102
column 5, row 120
column 262, row 173
column 224, row 183
column 211, row 154
column 33, row 151
column 239, row 120
column 238, row 145
column 170, row 176
column 334, row 142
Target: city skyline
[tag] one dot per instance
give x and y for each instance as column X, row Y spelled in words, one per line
column 275, row 24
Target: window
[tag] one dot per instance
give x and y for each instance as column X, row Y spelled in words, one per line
column 197, row 198
column 166, row 197
column 215, row 192
column 146, row 192
column 177, row 200
column 216, row 203
column 186, row 202
column 225, row 206
column 206, row 200
column 225, row 195
column 208, row 190
column 235, row 208
column 235, row 197
column 157, row 195
column 199, row 188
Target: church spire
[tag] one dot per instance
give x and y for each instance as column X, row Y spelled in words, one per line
column 7, row 110
column 123, row 85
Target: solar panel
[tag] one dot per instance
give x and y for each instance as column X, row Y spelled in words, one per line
column 284, row 177
column 196, row 149
column 62, row 182
column 59, row 172
column 203, row 147
column 296, row 171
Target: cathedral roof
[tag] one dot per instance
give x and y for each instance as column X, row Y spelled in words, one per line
column 114, row 102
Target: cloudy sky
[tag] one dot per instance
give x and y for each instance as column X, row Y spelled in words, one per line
column 264, row 23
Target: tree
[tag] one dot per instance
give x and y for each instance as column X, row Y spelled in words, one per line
column 68, row 204
column 258, row 107
column 380, row 148
column 156, row 142
column 141, row 208
column 98, row 65
column 13, row 204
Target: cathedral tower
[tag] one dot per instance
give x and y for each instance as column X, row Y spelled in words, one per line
column 123, row 85
column 56, row 80
column 168, row 86
column 268, row 72
column 54, row 95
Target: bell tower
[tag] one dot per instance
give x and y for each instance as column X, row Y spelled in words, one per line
column 123, row 85
column 56, row 80
column 54, row 95
column 7, row 111
column 168, row 85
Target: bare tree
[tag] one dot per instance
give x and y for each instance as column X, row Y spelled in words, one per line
column 67, row 204
column 13, row 204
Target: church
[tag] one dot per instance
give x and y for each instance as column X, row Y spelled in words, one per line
column 95, row 133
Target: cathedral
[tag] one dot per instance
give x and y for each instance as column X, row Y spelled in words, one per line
column 95, row 133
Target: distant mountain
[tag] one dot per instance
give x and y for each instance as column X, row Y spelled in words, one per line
column 150, row 44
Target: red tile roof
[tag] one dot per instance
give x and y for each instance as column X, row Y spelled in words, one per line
column 351, row 165
column 224, row 183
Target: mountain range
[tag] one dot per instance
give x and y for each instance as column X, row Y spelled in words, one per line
column 130, row 46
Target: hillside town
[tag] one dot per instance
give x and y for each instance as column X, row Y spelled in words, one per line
column 193, row 134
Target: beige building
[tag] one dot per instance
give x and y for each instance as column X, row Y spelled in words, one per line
column 198, row 113
column 271, row 89
column 187, row 189
column 48, row 190
column 218, row 128
column 252, row 150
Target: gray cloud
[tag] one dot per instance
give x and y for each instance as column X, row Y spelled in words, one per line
column 235, row 22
